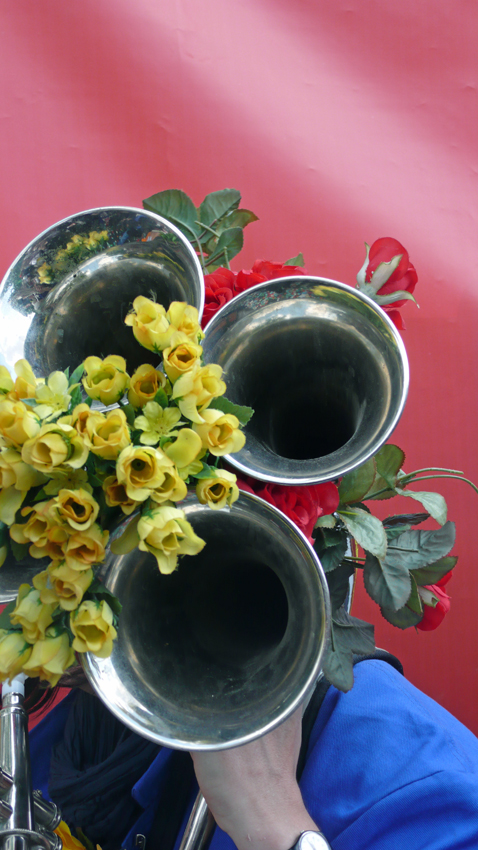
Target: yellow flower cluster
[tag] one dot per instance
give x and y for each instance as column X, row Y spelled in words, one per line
column 67, row 469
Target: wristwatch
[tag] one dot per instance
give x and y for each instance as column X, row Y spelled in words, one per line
column 310, row 840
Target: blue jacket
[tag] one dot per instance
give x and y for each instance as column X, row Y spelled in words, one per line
column 387, row 768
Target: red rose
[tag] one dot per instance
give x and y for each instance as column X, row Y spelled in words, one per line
column 219, row 286
column 432, row 616
column 223, row 284
column 403, row 278
column 303, row 505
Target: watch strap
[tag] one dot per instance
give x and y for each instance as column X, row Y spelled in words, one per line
column 311, row 840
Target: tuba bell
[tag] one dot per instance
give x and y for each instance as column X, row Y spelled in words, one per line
column 324, row 369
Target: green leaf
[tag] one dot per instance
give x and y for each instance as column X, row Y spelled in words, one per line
column 296, row 261
column 434, row 572
column 389, row 460
column 349, row 636
column 331, row 546
column 366, row 529
column 326, row 521
column 339, row 585
column 19, row 550
column 228, row 245
column 217, row 204
column 242, row 412
column 357, row 483
column 416, row 549
column 161, row 398
column 76, row 397
column 206, row 472
column 403, row 618
column 236, row 218
column 75, row 377
column 388, row 584
column 4, row 534
column 393, row 533
column 434, row 503
column 130, row 413
column 405, row 519
column 175, row 206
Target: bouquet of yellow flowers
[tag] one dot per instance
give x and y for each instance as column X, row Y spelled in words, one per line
column 78, row 451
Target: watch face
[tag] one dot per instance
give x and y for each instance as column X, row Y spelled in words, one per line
column 312, row 841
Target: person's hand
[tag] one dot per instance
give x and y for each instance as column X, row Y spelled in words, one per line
column 252, row 790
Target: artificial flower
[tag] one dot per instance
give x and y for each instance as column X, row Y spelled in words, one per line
column 220, row 433
column 185, row 452
column 436, row 603
column 53, row 397
column 106, row 380
column 68, row 840
column 144, row 384
column 116, row 495
column 195, row 390
column 31, row 613
column 157, row 422
column 16, row 479
column 14, row 652
column 6, row 381
column 18, row 423
column 150, row 324
column 84, row 548
column 107, row 435
column 387, row 271
column 35, row 530
column 303, row 505
column 181, row 358
column 60, row 585
column 92, row 627
column 166, row 533
column 50, row 657
column 185, row 318
column 148, row 472
column 219, row 490
column 67, row 479
column 26, row 383
column 75, row 509
column 53, row 446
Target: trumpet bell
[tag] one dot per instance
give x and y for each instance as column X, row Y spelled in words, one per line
column 324, row 369
column 226, row 647
column 66, row 295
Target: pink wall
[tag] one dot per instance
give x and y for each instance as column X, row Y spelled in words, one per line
column 340, row 123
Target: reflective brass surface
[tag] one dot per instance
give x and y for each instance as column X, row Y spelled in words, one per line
column 324, row 369
column 225, row 648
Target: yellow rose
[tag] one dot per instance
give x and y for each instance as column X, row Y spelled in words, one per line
column 31, row 613
column 116, row 495
column 59, row 585
column 35, row 530
column 16, row 478
column 85, row 548
column 149, row 472
column 106, row 380
column 144, row 384
column 26, row 383
column 14, row 652
column 107, row 436
column 185, row 452
column 50, row 657
column 181, row 358
column 55, row 445
column 18, row 423
column 92, row 626
column 150, row 324
column 6, row 382
column 220, row 433
column 185, row 318
column 219, row 490
column 76, row 509
column 195, row 390
column 166, row 533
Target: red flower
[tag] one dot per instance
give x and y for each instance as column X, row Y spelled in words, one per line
column 303, row 505
column 403, row 278
column 433, row 616
column 223, row 284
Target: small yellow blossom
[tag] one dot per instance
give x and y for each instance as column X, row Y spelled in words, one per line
column 18, row 423
column 6, row 381
column 106, row 380
column 92, row 626
column 157, row 422
column 44, row 273
column 55, row 445
column 14, row 652
column 196, row 389
column 60, row 585
column 185, row 319
column 74, row 509
column 181, row 357
column 150, row 324
column 148, row 472
column 50, row 657
column 31, row 613
column 144, row 384
column 166, row 533
column 219, row 490
column 53, row 397
column 220, row 433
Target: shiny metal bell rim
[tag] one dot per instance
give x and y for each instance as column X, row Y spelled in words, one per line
column 324, row 369
column 225, row 648
column 81, row 313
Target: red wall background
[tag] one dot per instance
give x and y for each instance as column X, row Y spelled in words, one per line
column 340, row 123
